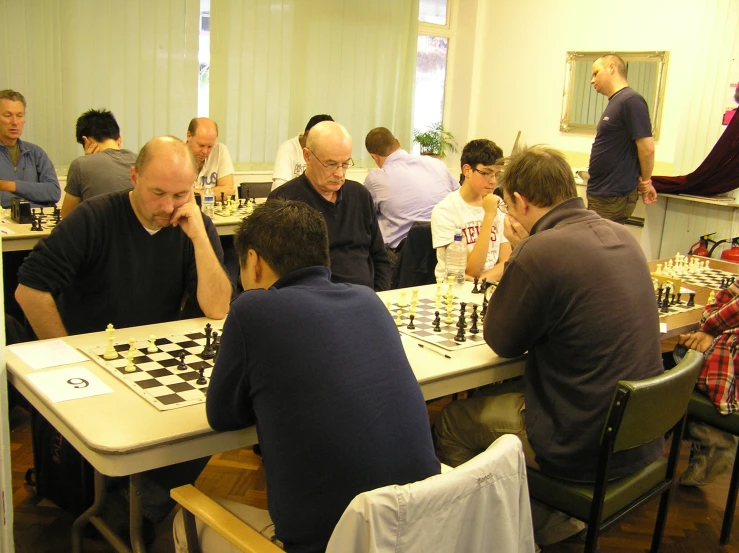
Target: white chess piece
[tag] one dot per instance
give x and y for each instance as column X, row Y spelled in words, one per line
column 152, row 346
column 402, row 301
column 399, row 317
column 414, row 297
column 110, row 352
column 130, row 367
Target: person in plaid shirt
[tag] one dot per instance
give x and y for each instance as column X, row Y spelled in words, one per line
column 712, row 453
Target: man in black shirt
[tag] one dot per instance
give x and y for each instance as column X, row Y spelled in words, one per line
column 356, row 246
column 622, row 157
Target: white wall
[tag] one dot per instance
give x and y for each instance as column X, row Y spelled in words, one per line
column 519, row 68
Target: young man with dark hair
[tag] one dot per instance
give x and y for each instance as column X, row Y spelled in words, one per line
column 473, row 209
column 335, row 415
column 289, row 162
column 104, row 168
column 405, row 188
column 574, row 296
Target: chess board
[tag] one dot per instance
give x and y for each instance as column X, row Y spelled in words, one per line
column 157, row 378
column 710, row 278
column 675, row 308
column 424, row 319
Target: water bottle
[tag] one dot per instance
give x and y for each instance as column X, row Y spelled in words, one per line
column 456, row 260
column 209, row 201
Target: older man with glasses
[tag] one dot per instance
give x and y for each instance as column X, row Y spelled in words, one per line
column 477, row 212
column 356, row 245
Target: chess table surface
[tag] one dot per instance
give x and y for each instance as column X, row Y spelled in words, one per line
column 121, row 433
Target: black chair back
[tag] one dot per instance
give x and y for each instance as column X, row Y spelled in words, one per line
column 417, row 258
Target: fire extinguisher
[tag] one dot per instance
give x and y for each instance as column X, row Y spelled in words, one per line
column 732, row 254
column 701, row 246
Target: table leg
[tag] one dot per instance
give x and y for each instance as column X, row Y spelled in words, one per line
column 93, row 516
column 136, row 516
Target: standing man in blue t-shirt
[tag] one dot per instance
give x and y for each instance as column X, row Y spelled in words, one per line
column 622, row 156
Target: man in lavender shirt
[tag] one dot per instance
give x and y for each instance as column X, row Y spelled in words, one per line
column 405, row 188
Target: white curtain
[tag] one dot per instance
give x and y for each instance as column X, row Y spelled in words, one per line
column 274, row 64
column 136, row 58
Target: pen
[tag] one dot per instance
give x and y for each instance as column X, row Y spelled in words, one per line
column 435, row 351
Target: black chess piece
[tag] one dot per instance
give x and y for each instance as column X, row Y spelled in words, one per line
column 484, row 307
column 460, row 335
column 208, row 352
column 223, row 198
column 182, row 366
column 473, row 328
column 691, row 301
column 216, row 344
column 411, row 326
column 462, row 319
column 666, row 303
column 202, row 380
column 475, row 289
column 437, row 323
column 659, row 296
column 678, row 299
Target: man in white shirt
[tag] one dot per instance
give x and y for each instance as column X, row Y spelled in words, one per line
column 405, row 188
column 289, row 161
column 214, row 162
column 474, row 210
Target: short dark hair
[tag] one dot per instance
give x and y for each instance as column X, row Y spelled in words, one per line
column 481, row 152
column 12, row 95
column 381, row 142
column 616, row 60
column 98, row 124
column 288, row 234
column 541, row 175
column 313, row 121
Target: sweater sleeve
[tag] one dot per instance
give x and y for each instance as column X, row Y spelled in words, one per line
column 55, row 261
column 380, row 260
column 227, row 403
column 47, row 189
column 514, row 320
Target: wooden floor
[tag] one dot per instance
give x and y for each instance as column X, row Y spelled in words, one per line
column 693, row 524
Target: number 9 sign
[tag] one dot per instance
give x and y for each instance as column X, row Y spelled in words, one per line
column 78, row 383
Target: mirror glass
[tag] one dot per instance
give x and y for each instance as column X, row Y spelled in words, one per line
column 582, row 106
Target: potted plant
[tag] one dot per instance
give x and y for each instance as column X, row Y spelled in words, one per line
column 436, row 141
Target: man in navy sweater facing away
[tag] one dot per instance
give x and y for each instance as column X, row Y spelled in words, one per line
column 335, row 414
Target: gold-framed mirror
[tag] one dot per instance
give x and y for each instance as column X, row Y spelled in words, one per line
column 582, row 106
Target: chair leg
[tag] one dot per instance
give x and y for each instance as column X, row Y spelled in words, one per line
column 730, row 503
column 591, row 539
column 659, row 525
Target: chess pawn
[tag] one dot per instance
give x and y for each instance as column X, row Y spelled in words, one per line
column 414, row 297
column 152, row 345
column 399, row 317
column 659, row 269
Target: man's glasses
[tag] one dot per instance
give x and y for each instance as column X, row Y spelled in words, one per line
column 488, row 174
column 332, row 165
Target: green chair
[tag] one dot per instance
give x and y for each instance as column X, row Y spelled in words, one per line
column 641, row 411
column 701, row 409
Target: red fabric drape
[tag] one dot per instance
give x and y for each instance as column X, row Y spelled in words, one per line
column 718, row 173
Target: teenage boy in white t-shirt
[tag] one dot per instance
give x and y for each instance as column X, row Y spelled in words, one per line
column 474, row 209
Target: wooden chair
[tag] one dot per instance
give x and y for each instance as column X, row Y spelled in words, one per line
column 641, row 411
column 480, row 506
column 702, row 409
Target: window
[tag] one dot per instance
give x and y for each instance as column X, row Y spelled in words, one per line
column 434, row 35
column 204, row 60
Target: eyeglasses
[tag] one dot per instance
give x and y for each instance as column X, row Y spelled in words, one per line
column 332, row 165
column 503, row 207
column 488, row 174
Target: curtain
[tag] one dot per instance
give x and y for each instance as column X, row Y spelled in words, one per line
column 136, row 58
column 274, row 64
column 718, row 173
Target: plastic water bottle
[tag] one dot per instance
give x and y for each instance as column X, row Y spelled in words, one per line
column 456, row 260
column 209, row 201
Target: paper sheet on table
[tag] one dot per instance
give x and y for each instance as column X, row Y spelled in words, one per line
column 663, row 328
column 6, row 230
column 42, row 355
column 68, row 383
